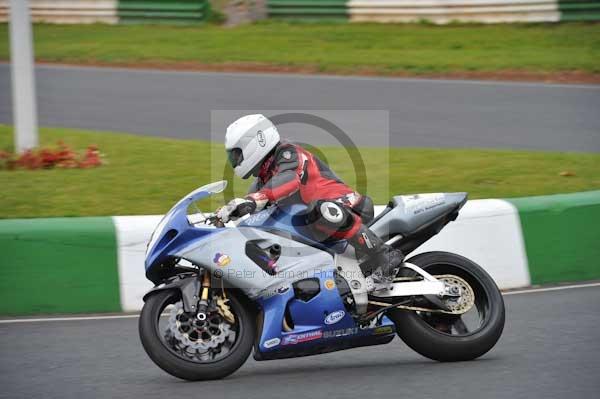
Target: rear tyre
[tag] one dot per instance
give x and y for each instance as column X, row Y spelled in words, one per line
column 450, row 338
column 177, row 352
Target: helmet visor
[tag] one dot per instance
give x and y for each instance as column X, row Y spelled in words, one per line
column 235, row 157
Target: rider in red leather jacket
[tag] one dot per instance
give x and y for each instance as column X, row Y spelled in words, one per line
column 287, row 173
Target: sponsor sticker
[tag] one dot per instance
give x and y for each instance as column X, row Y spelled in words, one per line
column 334, row 317
column 382, row 330
column 340, row 333
column 258, row 218
column 271, row 343
column 275, row 291
column 329, row 284
column 294, row 339
column 283, row 290
column 287, row 155
column 420, row 203
column 366, row 240
column 221, row 259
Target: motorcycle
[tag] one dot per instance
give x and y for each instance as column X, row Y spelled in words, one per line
column 267, row 286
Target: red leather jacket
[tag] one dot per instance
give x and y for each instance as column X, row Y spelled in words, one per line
column 290, row 171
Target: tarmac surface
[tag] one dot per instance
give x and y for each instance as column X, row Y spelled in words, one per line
column 416, row 112
column 550, row 349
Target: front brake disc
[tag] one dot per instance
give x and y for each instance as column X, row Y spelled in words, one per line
column 196, row 334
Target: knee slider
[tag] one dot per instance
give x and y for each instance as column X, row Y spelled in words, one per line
column 329, row 214
column 332, row 212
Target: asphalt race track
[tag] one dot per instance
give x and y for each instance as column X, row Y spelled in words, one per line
column 550, row 349
column 422, row 113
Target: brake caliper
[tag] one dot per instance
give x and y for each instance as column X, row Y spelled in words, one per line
column 225, row 310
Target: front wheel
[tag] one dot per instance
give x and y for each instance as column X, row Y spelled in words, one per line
column 449, row 337
column 193, row 349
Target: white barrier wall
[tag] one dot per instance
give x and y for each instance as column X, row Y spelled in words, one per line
column 68, row 11
column 486, row 231
column 133, row 235
column 489, row 233
column 446, row 11
column 435, row 11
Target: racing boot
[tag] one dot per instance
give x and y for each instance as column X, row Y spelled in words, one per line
column 377, row 260
column 389, row 260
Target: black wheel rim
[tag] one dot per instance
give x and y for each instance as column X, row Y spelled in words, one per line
column 197, row 331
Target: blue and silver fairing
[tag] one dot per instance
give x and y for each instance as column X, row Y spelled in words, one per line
column 321, row 324
column 290, row 219
column 174, row 229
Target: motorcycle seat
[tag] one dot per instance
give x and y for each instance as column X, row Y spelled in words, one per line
column 409, row 214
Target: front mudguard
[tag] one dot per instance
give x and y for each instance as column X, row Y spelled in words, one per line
column 188, row 286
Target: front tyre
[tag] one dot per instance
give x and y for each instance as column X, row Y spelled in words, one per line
column 450, row 338
column 193, row 349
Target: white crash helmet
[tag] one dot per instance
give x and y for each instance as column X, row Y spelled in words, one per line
column 248, row 141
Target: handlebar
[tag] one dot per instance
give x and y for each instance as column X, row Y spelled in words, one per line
column 215, row 220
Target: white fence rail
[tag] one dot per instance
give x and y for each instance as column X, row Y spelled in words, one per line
column 446, row 11
column 68, row 11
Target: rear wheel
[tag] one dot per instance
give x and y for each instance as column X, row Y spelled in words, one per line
column 449, row 337
column 193, row 349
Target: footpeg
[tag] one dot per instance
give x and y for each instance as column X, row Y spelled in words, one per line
column 376, row 283
column 370, row 284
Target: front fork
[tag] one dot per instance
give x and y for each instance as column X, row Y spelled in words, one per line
column 203, row 294
column 221, row 302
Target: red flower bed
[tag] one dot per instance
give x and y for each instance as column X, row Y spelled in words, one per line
column 60, row 156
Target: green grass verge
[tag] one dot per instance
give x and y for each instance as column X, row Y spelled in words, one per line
column 329, row 47
column 146, row 175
